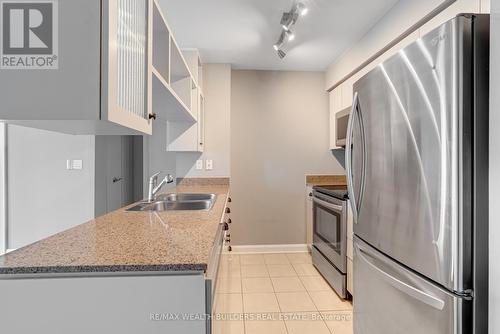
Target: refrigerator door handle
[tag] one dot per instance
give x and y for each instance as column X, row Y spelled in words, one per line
column 348, row 156
column 400, row 285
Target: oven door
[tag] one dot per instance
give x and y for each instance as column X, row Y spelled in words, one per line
column 330, row 224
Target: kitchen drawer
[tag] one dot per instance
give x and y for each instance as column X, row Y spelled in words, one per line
column 349, row 248
column 350, row 287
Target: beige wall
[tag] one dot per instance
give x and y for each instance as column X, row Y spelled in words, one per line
column 279, row 133
column 217, row 92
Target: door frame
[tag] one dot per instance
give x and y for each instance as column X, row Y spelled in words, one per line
column 3, row 189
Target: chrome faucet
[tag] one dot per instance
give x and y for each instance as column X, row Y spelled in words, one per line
column 153, row 188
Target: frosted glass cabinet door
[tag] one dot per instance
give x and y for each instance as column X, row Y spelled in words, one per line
column 127, row 62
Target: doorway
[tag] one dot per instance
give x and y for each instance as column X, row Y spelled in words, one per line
column 118, row 172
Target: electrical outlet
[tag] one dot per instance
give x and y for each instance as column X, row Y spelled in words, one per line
column 209, row 165
column 199, row 164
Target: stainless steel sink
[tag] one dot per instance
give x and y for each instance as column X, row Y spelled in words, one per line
column 177, row 202
column 186, row 197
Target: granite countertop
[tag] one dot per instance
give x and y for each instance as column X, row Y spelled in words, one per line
column 126, row 241
column 323, row 180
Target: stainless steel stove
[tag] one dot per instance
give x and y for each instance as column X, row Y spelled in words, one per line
column 329, row 251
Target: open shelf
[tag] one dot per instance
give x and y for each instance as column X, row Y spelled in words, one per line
column 177, row 96
column 180, row 76
column 161, row 44
column 166, row 104
column 192, row 57
column 171, row 76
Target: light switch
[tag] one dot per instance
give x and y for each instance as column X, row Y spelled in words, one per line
column 209, row 165
column 74, row 164
column 77, row 164
column 199, row 164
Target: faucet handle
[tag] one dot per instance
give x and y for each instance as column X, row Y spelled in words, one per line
column 155, row 176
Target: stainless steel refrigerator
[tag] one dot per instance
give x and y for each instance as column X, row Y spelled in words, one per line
column 417, row 166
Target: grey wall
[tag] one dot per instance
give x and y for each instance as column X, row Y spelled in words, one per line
column 494, row 244
column 156, row 157
column 3, row 201
column 279, row 133
column 57, row 198
column 217, row 92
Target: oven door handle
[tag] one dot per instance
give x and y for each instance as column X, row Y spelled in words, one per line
column 327, row 204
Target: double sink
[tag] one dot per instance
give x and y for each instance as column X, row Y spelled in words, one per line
column 177, row 201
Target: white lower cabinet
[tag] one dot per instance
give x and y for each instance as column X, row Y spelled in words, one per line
column 309, row 216
column 350, row 278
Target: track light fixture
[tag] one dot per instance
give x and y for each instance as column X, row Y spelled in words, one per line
column 281, row 41
column 287, row 21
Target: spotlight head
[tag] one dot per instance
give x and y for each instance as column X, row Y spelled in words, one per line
column 302, row 9
column 281, row 54
column 281, row 41
column 287, row 20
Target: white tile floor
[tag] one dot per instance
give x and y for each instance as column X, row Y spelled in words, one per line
column 277, row 294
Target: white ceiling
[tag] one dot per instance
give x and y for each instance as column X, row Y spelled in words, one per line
column 242, row 32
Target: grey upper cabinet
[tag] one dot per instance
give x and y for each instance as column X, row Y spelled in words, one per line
column 102, row 84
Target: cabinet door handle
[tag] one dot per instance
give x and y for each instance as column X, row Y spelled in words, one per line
column 116, row 179
column 228, row 210
column 152, row 116
column 229, row 199
column 229, row 221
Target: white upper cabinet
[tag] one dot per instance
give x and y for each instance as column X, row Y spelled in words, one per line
column 346, row 88
column 172, row 79
column 189, row 136
column 341, row 97
column 119, row 69
column 102, row 81
column 485, row 6
column 127, row 57
column 463, row 6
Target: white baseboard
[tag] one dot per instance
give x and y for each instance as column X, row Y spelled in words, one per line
column 287, row 248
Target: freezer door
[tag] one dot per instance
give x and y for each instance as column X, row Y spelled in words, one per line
column 390, row 299
column 408, row 159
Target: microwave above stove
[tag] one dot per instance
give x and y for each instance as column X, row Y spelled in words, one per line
column 341, row 121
